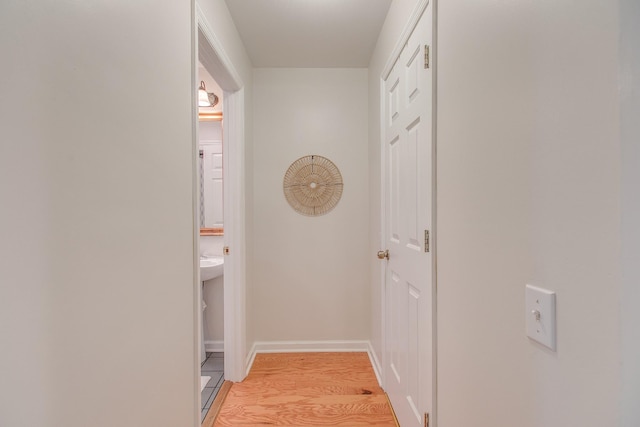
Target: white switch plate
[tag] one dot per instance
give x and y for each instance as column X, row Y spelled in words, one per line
column 540, row 307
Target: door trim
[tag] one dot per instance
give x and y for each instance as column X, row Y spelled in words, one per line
column 404, row 37
column 234, row 237
column 213, row 57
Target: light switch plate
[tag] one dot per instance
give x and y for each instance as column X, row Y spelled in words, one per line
column 540, row 307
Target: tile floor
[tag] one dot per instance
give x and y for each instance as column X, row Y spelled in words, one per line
column 213, row 367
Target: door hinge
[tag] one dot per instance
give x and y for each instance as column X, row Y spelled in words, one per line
column 226, row 250
column 426, row 56
column 426, row 419
column 426, row 240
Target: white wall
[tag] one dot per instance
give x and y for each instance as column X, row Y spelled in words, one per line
column 528, row 175
column 210, row 131
column 529, row 167
column 311, row 280
column 97, row 225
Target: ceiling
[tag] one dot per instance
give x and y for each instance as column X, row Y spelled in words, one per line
column 309, row 33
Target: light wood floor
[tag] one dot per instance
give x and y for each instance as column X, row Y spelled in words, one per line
column 307, row 389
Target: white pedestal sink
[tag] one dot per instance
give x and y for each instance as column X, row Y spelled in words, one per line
column 211, row 267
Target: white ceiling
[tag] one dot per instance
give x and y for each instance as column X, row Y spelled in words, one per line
column 309, row 33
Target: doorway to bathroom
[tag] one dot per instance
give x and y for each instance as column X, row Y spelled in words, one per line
column 211, row 221
column 223, row 151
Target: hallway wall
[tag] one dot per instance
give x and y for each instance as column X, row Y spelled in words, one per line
column 96, row 224
column 310, row 280
column 529, row 191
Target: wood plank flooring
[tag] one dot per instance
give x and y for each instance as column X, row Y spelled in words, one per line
column 307, row 389
column 214, row 410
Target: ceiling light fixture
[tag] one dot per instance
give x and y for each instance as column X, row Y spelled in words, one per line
column 206, row 99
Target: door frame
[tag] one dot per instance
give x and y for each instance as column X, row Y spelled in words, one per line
column 208, row 49
column 410, row 26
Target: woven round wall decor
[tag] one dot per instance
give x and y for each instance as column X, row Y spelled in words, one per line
column 313, row 185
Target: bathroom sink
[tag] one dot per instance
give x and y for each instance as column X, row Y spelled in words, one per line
column 211, row 267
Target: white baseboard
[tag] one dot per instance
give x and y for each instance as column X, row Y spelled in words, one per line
column 313, row 347
column 309, row 346
column 214, row 346
column 377, row 367
column 250, row 358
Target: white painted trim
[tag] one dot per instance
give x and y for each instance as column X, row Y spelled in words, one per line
column 214, row 58
column 250, row 358
column 309, row 346
column 209, row 141
column 234, row 237
column 214, row 346
column 383, row 231
column 195, row 196
column 404, row 37
column 434, row 217
column 375, row 363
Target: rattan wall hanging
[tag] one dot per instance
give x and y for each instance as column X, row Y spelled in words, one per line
column 313, row 185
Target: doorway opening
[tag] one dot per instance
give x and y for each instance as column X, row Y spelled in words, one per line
column 211, row 214
column 210, row 57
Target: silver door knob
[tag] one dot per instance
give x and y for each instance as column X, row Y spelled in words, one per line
column 383, row 254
